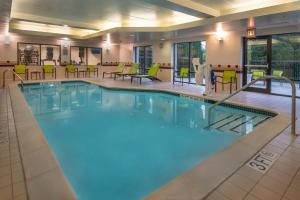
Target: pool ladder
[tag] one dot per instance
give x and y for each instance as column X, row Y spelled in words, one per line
column 17, row 75
column 293, row 113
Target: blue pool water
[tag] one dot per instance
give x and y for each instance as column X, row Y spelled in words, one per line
column 123, row 145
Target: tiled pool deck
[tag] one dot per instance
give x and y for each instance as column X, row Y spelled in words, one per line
column 12, row 185
column 282, row 181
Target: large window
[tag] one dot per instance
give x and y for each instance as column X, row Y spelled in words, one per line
column 277, row 55
column 86, row 55
column 183, row 54
column 285, row 62
column 38, row 54
column 143, row 56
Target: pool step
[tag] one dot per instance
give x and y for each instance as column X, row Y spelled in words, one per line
column 250, row 123
column 237, row 123
column 225, row 120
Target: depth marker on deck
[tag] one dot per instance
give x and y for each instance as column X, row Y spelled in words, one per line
column 262, row 161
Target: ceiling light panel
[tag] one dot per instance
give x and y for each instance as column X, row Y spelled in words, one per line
column 49, row 28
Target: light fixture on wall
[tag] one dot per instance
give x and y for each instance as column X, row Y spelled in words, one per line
column 251, row 30
column 65, row 42
column 220, row 32
column 107, row 44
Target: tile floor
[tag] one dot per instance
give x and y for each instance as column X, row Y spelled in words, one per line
column 282, row 181
column 12, row 185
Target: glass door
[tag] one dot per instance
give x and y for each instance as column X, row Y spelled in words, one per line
column 196, row 52
column 257, row 60
column 183, row 55
column 148, row 57
column 143, row 56
column 141, row 59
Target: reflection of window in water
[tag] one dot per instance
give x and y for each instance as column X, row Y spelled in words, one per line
column 96, row 96
column 50, row 102
column 140, row 101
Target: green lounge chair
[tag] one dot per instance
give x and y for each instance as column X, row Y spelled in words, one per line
column 184, row 73
column 119, row 70
column 93, row 69
column 229, row 77
column 151, row 74
column 132, row 71
column 49, row 69
column 71, row 69
column 20, row 69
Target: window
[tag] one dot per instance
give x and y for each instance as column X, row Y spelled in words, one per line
column 50, row 54
column 143, row 56
column 38, row 54
column 85, row 55
column 285, row 62
column 184, row 53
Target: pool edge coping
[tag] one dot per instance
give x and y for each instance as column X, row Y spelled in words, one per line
column 281, row 121
column 41, row 168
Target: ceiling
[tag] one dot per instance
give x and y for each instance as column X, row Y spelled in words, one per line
column 85, row 19
column 233, row 6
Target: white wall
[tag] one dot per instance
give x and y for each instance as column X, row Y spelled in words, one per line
column 111, row 54
column 162, row 52
column 93, row 59
column 126, row 53
column 225, row 52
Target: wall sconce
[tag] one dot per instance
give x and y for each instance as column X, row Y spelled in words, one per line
column 107, row 44
column 220, row 33
column 65, row 42
column 251, row 30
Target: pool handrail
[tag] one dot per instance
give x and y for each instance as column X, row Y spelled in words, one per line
column 293, row 118
column 17, row 75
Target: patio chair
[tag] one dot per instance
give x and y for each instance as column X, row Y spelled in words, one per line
column 151, row 74
column 20, row 69
column 120, row 69
column 70, row 69
column 278, row 73
column 93, row 69
column 257, row 73
column 229, row 77
column 49, row 69
column 184, row 73
column 132, row 71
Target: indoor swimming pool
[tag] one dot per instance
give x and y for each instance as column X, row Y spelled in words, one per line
column 125, row 144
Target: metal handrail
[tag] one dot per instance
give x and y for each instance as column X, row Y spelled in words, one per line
column 17, row 75
column 258, row 66
column 293, row 120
